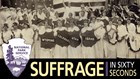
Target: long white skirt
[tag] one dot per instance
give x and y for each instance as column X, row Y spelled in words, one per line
column 122, row 49
column 136, row 44
column 110, row 50
column 74, row 52
column 30, row 41
column 131, row 54
column 88, row 52
column 32, row 54
column 138, row 38
column 60, row 52
column 134, row 54
column 46, row 53
column 1, row 52
column 99, row 48
column 37, row 49
column 138, row 55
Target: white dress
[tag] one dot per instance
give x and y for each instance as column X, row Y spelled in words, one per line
column 132, row 34
column 67, row 11
column 122, row 47
column 52, row 15
column 138, row 38
column 30, row 18
column 110, row 49
column 60, row 52
column 7, row 36
column 10, row 23
column 41, row 16
column 74, row 52
column 19, row 15
column 99, row 33
column 27, row 35
column 17, row 33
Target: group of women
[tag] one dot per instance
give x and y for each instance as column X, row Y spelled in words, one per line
column 54, row 37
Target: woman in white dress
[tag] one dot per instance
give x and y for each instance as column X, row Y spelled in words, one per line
column 61, row 40
column 67, row 9
column 47, row 42
column 110, row 44
column 6, row 33
column 122, row 36
column 74, row 49
column 35, row 26
column 88, row 41
column 132, row 39
column 138, row 37
column 99, row 33
column 28, row 35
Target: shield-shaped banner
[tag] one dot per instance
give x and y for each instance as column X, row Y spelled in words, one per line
column 16, row 55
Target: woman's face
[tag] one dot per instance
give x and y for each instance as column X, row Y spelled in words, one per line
column 35, row 17
column 82, row 13
column 110, row 22
column 25, row 26
column 86, row 24
column 93, row 19
column 70, row 15
column 119, row 22
column 5, row 27
column 25, row 17
column 98, row 20
column 14, row 27
column 128, row 21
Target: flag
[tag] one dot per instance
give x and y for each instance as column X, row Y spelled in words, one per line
column 76, row 4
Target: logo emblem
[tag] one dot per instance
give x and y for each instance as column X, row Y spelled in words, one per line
column 16, row 55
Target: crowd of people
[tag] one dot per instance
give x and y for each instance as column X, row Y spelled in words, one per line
column 112, row 32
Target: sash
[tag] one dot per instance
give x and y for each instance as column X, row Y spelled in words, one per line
column 47, row 40
column 75, row 39
column 89, row 39
column 132, row 43
column 112, row 39
column 62, row 38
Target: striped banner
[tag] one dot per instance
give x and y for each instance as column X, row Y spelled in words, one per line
column 75, row 4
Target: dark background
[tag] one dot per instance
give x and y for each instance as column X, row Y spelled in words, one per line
column 6, row 74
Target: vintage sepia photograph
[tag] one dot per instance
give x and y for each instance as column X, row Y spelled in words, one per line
column 73, row 28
